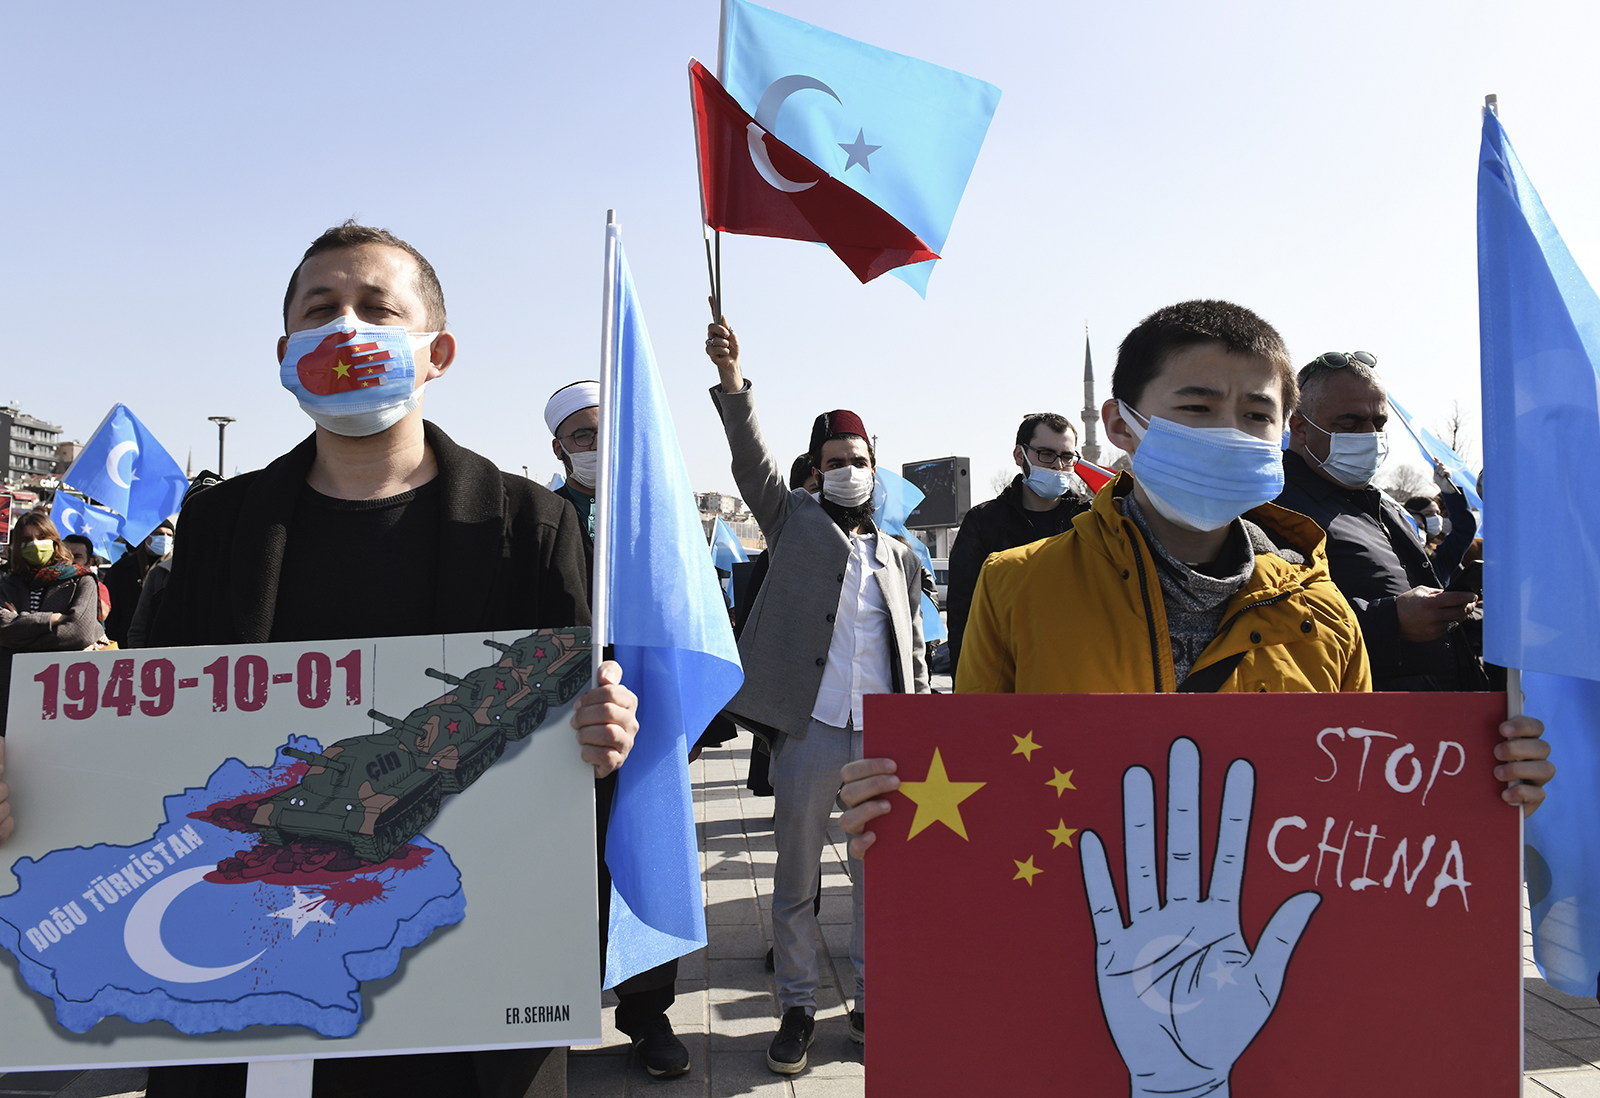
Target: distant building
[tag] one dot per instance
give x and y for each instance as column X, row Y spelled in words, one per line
column 66, row 454
column 731, row 510
column 30, row 445
column 1091, row 413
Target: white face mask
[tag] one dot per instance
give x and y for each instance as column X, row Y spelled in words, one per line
column 585, row 466
column 1433, row 524
column 1353, row 459
column 850, row 486
column 1047, row 483
column 160, row 544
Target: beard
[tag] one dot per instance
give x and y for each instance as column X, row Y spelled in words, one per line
column 848, row 518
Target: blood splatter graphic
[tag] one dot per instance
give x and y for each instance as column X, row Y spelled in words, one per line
column 307, row 864
column 354, row 892
column 238, row 813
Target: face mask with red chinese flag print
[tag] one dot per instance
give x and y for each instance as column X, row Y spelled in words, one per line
column 354, row 379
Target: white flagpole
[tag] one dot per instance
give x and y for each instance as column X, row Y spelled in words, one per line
column 600, row 603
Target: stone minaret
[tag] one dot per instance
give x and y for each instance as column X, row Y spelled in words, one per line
column 1091, row 411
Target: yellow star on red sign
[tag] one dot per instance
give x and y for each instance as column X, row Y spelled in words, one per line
column 1027, row 871
column 1061, row 833
column 1025, row 746
column 1062, row 782
column 938, row 799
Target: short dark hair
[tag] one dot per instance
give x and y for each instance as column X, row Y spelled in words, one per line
column 353, row 234
column 1418, row 504
column 1050, row 421
column 1188, row 323
column 799, row 470
column 80, row 539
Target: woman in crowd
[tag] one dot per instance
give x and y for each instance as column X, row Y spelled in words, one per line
column 48, row 603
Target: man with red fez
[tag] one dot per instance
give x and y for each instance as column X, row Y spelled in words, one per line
column 838, row 617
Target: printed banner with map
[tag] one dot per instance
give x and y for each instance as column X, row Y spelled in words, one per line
column 1185, row 894
column 294, row 850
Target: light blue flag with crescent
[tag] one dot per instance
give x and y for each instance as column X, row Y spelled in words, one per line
column 1539, row 331
column 905, row 133
column 126, row 469
column 76, row 516
column 670, row 631
column 726, row 549
column 893, row 499
column 1435, row 449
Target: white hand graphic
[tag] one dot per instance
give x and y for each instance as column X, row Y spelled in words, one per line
column 1181, row 991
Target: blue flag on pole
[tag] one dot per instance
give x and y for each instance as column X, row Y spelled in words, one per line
column 1434, row 449
column 669, row 627
column 893, row 499
column 75, row 516
column 126, row 469
column 726, row 549
column 1539, row 329
column 904, row 133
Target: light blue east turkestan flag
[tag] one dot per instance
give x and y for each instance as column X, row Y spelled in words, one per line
column 127, row 470
column 669, row 626
column 1539, row 326
column 726, row 551
column 905, row 133
column 893, row 499
column 75, row 516
column 1435, row 449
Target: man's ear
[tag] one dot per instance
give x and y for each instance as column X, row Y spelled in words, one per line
column 555, row 448
column 283, row 348
column 1297, row 431
column 1018, row 455
column 1117, row 430
column 441, row 353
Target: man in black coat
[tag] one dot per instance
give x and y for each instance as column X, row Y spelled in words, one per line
column 1379, row 562
column 1040, row 502
column 380, row 525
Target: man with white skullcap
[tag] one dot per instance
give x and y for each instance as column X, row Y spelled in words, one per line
column 573, row 415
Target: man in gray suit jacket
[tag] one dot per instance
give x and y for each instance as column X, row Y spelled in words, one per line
column 839, row 616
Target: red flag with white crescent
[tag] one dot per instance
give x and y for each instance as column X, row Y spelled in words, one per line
column 752, row 183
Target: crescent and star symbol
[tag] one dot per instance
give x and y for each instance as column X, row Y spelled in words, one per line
column 766, row 117
column 304, row 909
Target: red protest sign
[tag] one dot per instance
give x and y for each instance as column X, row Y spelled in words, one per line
column 1305, row 894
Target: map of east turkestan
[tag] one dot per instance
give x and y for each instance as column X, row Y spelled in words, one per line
column 138, row 931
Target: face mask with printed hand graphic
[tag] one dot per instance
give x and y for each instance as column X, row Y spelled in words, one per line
column 354, row 379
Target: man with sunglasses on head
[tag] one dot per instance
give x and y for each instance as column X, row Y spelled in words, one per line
column 1378, row 560
column 1040, row 502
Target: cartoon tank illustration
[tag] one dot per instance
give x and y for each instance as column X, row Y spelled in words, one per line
column 371, row 794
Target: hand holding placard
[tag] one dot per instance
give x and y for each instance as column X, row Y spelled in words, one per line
column 1182, row 993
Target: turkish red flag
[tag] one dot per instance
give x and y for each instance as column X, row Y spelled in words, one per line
column 1308, row 895
column 1094, row 476
column 754, row 184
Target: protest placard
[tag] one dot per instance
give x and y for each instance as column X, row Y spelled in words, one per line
column 296, row 850
column 1308, row 894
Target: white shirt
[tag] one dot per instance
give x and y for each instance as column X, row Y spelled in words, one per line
column 858, row 654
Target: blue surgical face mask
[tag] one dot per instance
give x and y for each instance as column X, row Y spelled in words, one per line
column 354, row 379
column 1202, row 478
column 160, row 544
column 1049, row 483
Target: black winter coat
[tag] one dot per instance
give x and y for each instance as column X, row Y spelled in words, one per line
column 511, row 554
column 1002, row 523
column 76, row 599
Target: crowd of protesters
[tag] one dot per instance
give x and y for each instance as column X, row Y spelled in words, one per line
column 1225, row 560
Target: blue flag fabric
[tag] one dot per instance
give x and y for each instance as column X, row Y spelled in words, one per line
column 126, row 469
column 726, row 549
column 75, row 516
column 893, row 499
column 669, row 627
column 904, row 133
column 1435, row 449
column 1539, row 329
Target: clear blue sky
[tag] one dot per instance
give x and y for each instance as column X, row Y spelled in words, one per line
column 165, row 165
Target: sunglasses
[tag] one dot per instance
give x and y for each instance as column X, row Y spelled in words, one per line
column 1338, row 360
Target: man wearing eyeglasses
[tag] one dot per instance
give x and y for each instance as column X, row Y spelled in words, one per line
column 1040, row 502
column 1337, row 445
column 573, row 415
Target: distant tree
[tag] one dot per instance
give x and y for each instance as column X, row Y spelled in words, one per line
column 1402, row 481
column 1456, row 434
column 1001, row 480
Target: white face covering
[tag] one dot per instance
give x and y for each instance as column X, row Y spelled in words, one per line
column 585, row 466
column 848, row 487
column 1353, row 459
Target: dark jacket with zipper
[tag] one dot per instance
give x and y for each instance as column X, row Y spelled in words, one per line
column 76, row 599
column 1001, row 523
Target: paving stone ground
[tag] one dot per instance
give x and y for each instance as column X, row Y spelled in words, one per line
column 727, row 1007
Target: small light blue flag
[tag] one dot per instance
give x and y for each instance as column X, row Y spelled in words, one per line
column 127, row 470
column 893, row 499
column 1434, row 449
column 669, row 627
column 1539, row 331
column 726, row 548
column 75, row 516
column 904, row 133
